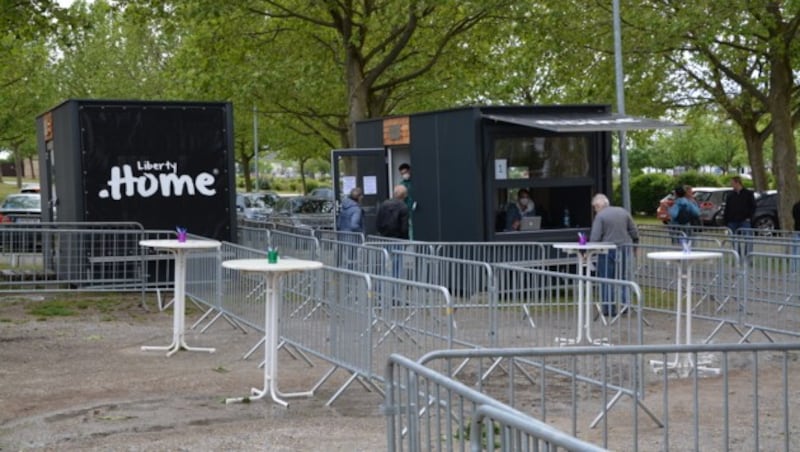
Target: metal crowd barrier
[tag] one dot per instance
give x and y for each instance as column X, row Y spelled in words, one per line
column 426, row 410
column 356, row 318
column 747, row 405
column 770, row 304
column 55, row 257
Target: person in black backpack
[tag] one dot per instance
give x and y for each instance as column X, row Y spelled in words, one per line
column 684, row 212
column 392, row 218
column 392, row 221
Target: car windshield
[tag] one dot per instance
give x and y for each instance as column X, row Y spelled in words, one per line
column 22, row 202
column 703, row 196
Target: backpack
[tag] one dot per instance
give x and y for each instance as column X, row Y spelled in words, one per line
column 685, row 217
column 387, row 220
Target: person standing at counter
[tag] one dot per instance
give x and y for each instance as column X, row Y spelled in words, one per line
column 405, row 174
column 524, row 207
column 615, row 225
column 392, row 221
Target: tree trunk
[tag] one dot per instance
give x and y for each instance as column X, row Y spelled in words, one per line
column 303, row 176
column 755, row 155
column 18, row 162
column 357, row 93
column 244, row 160
column 784, row 146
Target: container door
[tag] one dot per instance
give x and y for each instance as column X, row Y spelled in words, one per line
column 365, row 168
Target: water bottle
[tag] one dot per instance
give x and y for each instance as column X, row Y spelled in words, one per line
column 566, row 218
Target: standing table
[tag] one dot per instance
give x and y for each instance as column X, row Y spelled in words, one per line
column 683, row 361
column 584, row 253
column 272, row 274
column 180, row 250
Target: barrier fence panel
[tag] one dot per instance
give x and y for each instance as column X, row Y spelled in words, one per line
column 332, row 319
column 471, row 287
column 747, row 404
column 718, row 291
column 426, row 410
column 84, row 256
column 343, row 236
column 666, row 235
column 542, row 308
column 253, row 236
column 293, row 245
column 242, row 294
column 409, row 317
column 524, row 253
column 772, row 283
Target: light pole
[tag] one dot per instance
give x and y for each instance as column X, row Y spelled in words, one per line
column 623, row 152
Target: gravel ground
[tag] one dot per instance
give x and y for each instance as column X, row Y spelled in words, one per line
column 81, row 382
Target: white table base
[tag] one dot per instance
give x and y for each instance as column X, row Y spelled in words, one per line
column 270, row 387
column 683, row 365
column 584, row 254
column 179, row 316
column 272, row 279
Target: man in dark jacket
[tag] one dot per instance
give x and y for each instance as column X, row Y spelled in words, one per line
column 740, row 204
column 392, row 221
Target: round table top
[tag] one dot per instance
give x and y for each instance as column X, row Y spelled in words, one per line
column 262, row 265
column 174, row 244
column 588, row 246
column 683, row 256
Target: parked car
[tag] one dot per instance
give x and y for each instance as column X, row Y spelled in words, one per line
column 304, row 205
column 255, row 206
column 766, row 214
column 322, row 192
column 709, row 199
column 305, row 211
column 21, row 208
column 30, row 187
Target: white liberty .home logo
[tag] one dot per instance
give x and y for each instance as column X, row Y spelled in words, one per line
column 156, row 177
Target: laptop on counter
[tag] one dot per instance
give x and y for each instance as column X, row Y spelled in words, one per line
column 530, row 223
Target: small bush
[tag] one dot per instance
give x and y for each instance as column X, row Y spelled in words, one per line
column 647, row 190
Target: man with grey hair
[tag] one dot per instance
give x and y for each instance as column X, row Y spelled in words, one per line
column 615, row 225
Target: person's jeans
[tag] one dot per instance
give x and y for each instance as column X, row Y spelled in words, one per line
column 347, row 251
column 609, row 265
column 397, row 259
column 741, row 238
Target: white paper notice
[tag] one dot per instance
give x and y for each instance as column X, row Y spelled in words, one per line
column 370, row 185
column 348, row 183
column 501, row 169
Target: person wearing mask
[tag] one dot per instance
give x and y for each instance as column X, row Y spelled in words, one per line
column 524, row 207
column 740, row 204
column 615, row 225
column 405, row 175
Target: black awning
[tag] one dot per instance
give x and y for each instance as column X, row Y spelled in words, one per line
column 578, row 122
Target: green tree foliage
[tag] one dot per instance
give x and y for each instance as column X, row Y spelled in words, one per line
column 647, row 190
column 743, row 57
